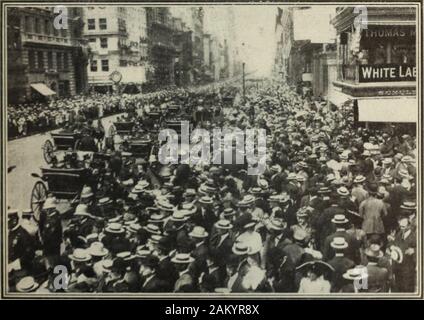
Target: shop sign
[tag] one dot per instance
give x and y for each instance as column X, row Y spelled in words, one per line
column 387, row 73
column 389, row 32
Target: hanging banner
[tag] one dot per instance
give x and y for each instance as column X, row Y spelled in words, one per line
column 387, row 73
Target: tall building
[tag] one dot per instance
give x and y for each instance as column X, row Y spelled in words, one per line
column 117, row 37
column 376, row 63
column 45, row 58
column 184, row 46
column 162, row 51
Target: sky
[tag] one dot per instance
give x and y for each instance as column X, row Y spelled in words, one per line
column 255, row 28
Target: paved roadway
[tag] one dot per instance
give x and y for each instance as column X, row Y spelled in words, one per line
column 27, row 156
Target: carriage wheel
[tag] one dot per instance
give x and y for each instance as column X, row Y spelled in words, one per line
column 38, row 196
column 76, row 145
column 48, row 151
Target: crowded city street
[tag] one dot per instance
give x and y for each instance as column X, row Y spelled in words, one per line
column 109, row 192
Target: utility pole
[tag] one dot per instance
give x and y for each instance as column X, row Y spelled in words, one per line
column 244, row 84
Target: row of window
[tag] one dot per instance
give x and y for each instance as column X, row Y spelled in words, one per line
column 40, row 26
column 94, row 67
column 103, row 42
column 91, row 24
column 36, row 60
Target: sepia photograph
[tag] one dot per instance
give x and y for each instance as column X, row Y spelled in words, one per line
column 234, row 149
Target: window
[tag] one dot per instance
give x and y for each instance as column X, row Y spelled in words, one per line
column 91, row 24
column 28, row 24
column 102, row 24
column 93, row 66
column 92, row 40
column 31, row 59
column 40, row 58
column 105, row 65
column 122, row 63
column 50, row 60
column 65, row 61
column 103, row 43
column 122, row 25
column 59, row 60
column 47, row 26
column 37, row 26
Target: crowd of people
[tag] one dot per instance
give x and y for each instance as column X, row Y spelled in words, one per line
column 334, row 211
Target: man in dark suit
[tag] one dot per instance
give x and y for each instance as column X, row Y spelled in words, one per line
column 352, row 251
column 340, row 263
column 222, row 241
column 200, row 252
column 150, row 281
column 324, row 226
column 185, row 281
column 378, row 277
column 204, row 216
column 166, row 270
column 22, row 245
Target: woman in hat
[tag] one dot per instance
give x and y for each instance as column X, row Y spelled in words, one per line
column 313, row 280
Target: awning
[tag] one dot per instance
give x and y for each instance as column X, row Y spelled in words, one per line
column 43, row 89
column 399, row 109
column 338, row 98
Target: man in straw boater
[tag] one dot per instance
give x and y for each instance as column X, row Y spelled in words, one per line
column 185, row 281
column 352, row 251
column 402, row 247
column 339, row 262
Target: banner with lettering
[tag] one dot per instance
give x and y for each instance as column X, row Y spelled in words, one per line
column 387, row 73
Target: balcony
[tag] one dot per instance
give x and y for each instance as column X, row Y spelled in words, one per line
column 51, row 40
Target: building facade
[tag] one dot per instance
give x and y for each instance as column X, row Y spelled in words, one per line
column 376, row 63
column 47, row 55
column 117, row 37
column 183, row 67
column 162, row 51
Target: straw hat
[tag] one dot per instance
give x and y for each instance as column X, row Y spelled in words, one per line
column 97, row 249
column 116, row 228
column 240, row 249
column 339, row 243
column 152, row 229
column 80, row 255
column 27, row 284
column 182, row 258
column 198, row 232
column 223, row 224
column 339, row 219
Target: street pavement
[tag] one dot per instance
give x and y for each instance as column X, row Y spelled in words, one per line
column 26, row 154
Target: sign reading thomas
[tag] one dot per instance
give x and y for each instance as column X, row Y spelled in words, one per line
column 387, row 73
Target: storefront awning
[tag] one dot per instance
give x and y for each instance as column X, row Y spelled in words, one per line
column 338, row 98
column 400, row 109
column 43, row 89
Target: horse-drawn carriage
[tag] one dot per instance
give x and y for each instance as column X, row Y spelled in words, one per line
column 62, row 183
column 121, row 128
column 61, row 142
